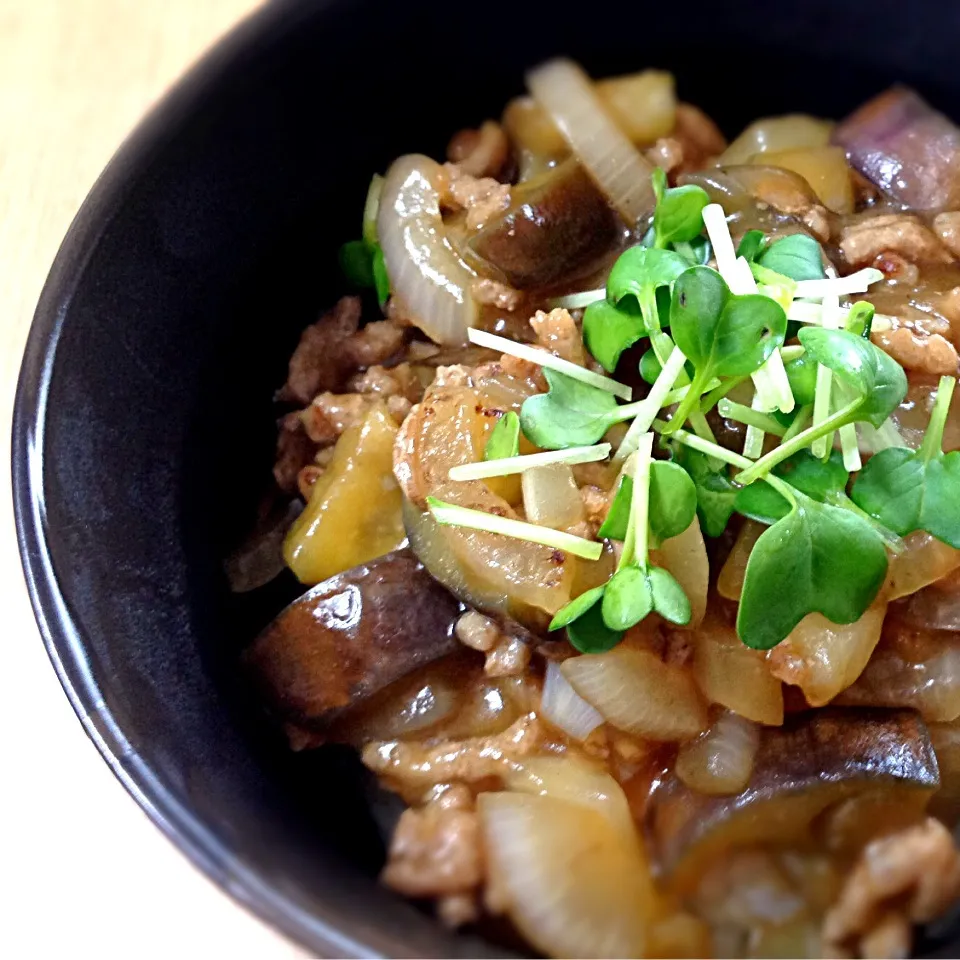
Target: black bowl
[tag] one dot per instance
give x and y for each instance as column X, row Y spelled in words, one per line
column 143, row 428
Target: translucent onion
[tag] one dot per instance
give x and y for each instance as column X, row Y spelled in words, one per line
column 575, row 780
column 735, row 676
column 564, row 876
column 823, row 658
column 925, row 560
column 551, row 497
column 639, row 693
column 730, row 581
column 562, row 706
column 685, row 556
column 426, row 274
column 777, row 133
column 617, row 167
column 720, row 761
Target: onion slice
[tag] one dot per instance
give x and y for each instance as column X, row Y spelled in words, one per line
column 721, row 760
column 565, row 876
column 566, row 93
column 426, row 273
column 562, row 706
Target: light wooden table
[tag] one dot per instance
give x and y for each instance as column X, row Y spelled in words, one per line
column 82, row 870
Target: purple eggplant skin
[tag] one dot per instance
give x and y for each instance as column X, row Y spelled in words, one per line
column 811, row 764
column 557, row 227
column 349, row 637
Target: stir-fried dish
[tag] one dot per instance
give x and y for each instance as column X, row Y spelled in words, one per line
column 631, row 524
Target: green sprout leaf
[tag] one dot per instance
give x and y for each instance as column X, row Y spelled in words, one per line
column 797, row 257
column 570, row 414
column 678, row 217
column 673, row 499
column 504, row 439
column 640, row 272
column 695, row 251
column 751, row 243
column 673, row 503
column 802, row 374
column 878, row 379
column 614, row 526
column 589, row 634
column 609, row 329
column 716, row 493
column 803, row 471
column 356, row 262
column 909, row 490
column 720, row 333
column 860, row 319
column 669, row 600
column 380, row 279
column 576, row 608
column 628, row 598
column 816, row 559
column 650, row 367
column 633, row 593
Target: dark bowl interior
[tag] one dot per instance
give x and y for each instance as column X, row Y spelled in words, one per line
column 144, row 429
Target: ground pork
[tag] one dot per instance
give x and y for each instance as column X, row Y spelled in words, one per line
column 295, row 450
column 412, row 766
column 596, row 503
column 477, row 632
column 947, row 228
column 861, row 243
column 699, row 137
column 917, row 350
column 492, row 293
column 398, row 381
column 896, row 267
column 666, row 153
column 480, row 153
column 374, row 343
column 437, row 849
column 319, row 362
column 482, row 197
column 557, row 332
column 913, row 875
column 817, row 220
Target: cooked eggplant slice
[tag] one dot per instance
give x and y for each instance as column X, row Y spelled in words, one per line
column 557, row 227
column 813, row 762
column 352, row 635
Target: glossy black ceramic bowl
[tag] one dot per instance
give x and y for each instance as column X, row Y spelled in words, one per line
column 143, row 428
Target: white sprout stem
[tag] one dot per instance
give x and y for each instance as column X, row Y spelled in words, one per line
column 715, row 220
column 506, row 466
column 535, row 355
column 741, row 278
column 753, row 442
column 450, row 514
column 714, row 450
column 371, row 208
column 636, row 548
column 779, row 382
column 873, row 440
column 804, row 312
column 850, row 448
column 577, row 301
column 650, row 406
column 792, row 352
column 858, row 282
column 821, row 397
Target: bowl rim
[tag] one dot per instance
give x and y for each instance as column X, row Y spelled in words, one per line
column 316, row 930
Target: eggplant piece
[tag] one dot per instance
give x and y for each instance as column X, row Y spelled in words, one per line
column 904, row 146
column 350, row 636
column 557, row 227
column 814, row 762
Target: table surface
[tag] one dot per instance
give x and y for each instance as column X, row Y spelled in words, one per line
column 86, row 872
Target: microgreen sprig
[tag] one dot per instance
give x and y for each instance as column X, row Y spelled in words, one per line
column 504, row 439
